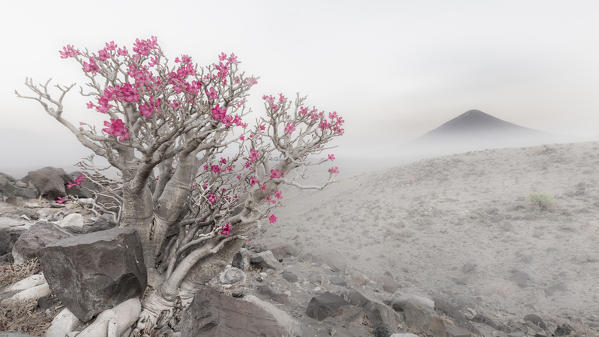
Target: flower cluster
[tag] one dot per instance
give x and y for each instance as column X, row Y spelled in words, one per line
column 78, row 181
column 226, row 229
column 117, row 128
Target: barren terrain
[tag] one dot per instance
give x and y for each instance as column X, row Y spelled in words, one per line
column 508, row 231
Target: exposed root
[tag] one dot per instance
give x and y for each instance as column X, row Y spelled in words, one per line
column 157, row 311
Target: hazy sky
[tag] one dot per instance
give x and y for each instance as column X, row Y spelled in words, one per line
column 397, row 68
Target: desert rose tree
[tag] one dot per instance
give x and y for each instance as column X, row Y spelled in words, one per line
column 194, row 177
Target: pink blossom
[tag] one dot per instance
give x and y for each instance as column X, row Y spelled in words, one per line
column 103, row 55
column 117, row 128
column 278, row 194
column 334, row 170
column 68, row 51
column 91, row 66
column 262, row 127
column 272, row 218
column 211, row 93
column 122, row 51
column 90, row 105
column 289, row 128
column 61, row 200
column 226, row 229
column 212, row 198
column 275, row 174
column 331, row 157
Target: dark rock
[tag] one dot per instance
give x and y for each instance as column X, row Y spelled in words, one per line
column 522, row 279
column 49, row 181
column 265, row 260
column 376, row 312
column 33, row 240
column 325, row 305
column 289, row 276
column 267, row 292
column 241, row 260
column 93, row 272
column 563, row 330
column 383, row 330
column 25, row 190
column 212, row 314
column 237, row 295
column 536, row 320
column 7, row 187
column 47, row 302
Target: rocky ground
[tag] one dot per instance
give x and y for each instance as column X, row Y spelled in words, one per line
column 491, row 243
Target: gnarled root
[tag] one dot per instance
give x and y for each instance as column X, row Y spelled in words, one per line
column 157, row 311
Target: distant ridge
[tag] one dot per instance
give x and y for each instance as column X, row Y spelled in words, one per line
column 478, row 123
column 475, row 130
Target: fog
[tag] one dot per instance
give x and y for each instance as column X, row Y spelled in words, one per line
column 393, row 69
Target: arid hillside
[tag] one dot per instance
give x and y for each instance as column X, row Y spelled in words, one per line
column 508, row 231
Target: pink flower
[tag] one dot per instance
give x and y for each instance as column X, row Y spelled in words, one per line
column 117, row 128
column 61, row 200
column 91, row 66
column 272, row 218
column 68, row 51
column 278, row 194
column 334, row 170
column 262, row 127
column 226, row 229
column 331, row 157
column 289, row 128
column 275, row 174
column 212, row 198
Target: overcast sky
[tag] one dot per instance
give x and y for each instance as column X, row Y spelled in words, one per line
column 397, row 68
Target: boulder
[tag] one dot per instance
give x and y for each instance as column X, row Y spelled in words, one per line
column 377, row 312
column 33, row 240
column 94, row 272
column 214, row 314
column 49, row 181
column 383, row 330
column 10, row 188
column 95, row 224
column 241, row 260
column 25, row 190
column 73, row 220
column 284, row 251
column 325, row 305
column 265, row 260
column 419, row 313
column 7, row 187
column 232, row 275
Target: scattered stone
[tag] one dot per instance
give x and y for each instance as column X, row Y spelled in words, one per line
column 289, row 276
column 232, row 275
column 418, row 313
column 47, row 302
column 325, row 305
column 214, row 314
column 563, row 330
column 383, row 330
column 49, row 182
column 93, row 272
column 449, row 309
column 241, row 260
column 95, row 224
column 265, row 260
column 33, row 240
column 74, row 220
column 377, row 312
column 536, row 320
column 480, row 318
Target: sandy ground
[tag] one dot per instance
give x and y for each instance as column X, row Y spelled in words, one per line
column 464, row 227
